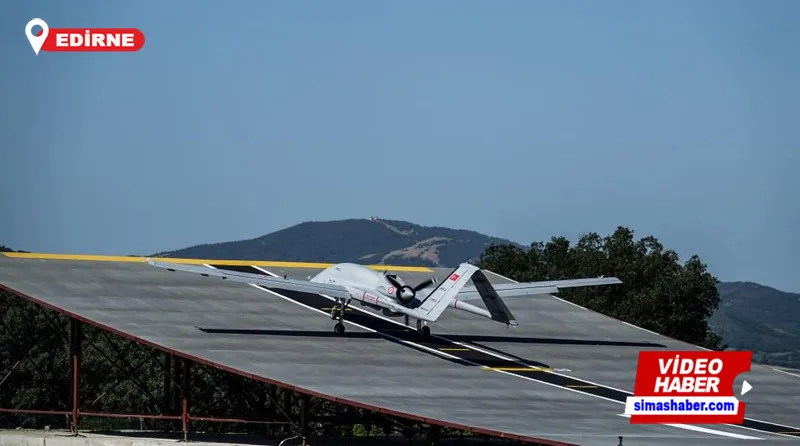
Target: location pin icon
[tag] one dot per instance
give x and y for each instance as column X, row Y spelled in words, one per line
column 36, row 41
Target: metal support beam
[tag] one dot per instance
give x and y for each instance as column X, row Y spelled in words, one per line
column 185, row 398
column 272, row 395
column 303, row 417
column 167, row 397
column 287, row 407
column 75, row 351
column 176, row 380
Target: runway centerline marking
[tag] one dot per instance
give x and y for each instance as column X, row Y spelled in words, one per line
column 418, row 346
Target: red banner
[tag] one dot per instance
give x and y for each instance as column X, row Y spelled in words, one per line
column 688, row 387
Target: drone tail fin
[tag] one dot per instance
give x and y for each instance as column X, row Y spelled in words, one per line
column 434, row 304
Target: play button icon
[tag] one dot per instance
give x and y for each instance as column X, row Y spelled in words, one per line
column 746, row 387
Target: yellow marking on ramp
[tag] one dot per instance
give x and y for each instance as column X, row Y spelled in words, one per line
column 407, row 269
column 578, row 386
column 97, row 258
column 518, row 369
column 265, row 263
column 453, row 349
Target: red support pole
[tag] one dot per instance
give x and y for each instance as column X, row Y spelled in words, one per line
column 75, row 347
column 185, row 398
column 185, row 419
column 167, row 397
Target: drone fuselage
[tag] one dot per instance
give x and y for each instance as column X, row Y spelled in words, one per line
column 374, row 289
column 367, row 285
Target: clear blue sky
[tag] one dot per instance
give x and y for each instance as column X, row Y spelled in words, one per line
column 519, row 119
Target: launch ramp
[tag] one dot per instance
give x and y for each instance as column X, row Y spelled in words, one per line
column 467, row 376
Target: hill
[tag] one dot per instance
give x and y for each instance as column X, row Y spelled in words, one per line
column 759, row 318
column 4, row 248
column 356, row 240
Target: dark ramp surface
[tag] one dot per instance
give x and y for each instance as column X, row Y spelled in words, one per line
column 272, row 335
column 590, row 353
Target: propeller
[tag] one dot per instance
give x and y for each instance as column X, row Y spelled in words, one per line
column 406, row 293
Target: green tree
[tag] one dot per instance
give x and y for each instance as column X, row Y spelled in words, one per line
column 658, row 292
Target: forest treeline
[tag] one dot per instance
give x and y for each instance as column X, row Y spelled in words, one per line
column 658, row 293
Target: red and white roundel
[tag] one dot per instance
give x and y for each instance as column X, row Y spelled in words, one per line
column 390, row 290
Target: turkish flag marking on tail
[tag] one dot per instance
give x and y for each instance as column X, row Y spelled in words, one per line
column 454, row 277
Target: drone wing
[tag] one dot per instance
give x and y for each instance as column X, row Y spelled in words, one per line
column 536, row 288
column 302, row 286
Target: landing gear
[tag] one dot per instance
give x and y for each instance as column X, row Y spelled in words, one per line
column 337, row 314
column 423, row 329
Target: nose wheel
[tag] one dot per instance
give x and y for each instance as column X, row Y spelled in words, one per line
column 423, row 329
column 337, row 314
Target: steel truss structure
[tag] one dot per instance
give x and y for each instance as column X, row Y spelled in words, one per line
column 92, row 376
